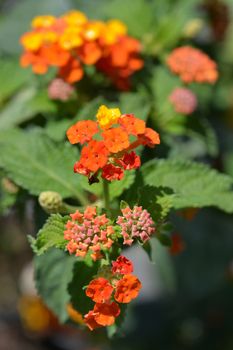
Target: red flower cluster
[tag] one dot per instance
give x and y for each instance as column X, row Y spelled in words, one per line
column 71, row 41
column 192, row 65
column 121, row 287
column 112, row 153
column 183, row 100
column 88, row 232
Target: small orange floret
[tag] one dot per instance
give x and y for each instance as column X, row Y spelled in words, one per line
column 106, row 313
column 72, row 71
column 39, row 64
column 99, row 290
column 122, row 266
column 127, row 289
column 192, row 65
column 89, row 53
column 132, row 125
column 94, row 156
column 111, row 172
column 90, row 321
column 82, row 131
column 54, row 55
column 130, row 161
column 80, row 169
column 116, row 139
column 150, row 138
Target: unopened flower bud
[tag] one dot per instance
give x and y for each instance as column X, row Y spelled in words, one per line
column 50, row 201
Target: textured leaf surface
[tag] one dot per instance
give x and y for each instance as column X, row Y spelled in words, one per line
column 53, row 273
column 136, row 104
column 23, row 106
column 37, row 164
column 194, row 184
column 51, row 235
column 13, row 77
column 84, row 272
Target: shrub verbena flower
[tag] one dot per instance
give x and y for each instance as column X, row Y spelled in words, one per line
column 72, row 41
column 183, row 100
column 192, row 65
column 113, row 152
column 135, row 223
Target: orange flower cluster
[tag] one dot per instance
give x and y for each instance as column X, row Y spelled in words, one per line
column 192, row 65
column 71, row 41
column 88, row 232
column 120, row 287
column 112, row 153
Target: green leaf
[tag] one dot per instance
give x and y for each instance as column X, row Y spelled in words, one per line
column 84, row 272
column 13, row 77
column 51, row 235
column 135, row 103
column 194, row 185
column 168, row 31
column 130, row 15
column 23, row 106
column 56, row 129
column 53, row 273
column 157, row 200
column 164, row 239
column 38, row 164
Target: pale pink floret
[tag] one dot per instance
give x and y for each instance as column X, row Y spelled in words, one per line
column 88, row 232
column 135, row 223
column 184, row 101
column 60, row 90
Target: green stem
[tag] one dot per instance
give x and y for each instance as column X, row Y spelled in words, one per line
column 106, row 195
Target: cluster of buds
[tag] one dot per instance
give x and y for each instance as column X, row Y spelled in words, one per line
column 88, row 232
column 183, row 100
column 120, row 286
column 71, row 41
column 59, row 90
column 192, row 65
column 135, row 223
column 112, row 153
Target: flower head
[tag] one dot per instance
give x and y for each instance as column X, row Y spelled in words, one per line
column 183, row 100
column 192, row 65
column 82, row 42
column 135, row 223
column 112, row 153
column 88, row 232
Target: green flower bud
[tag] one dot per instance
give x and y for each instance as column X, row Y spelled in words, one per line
column 51, row 201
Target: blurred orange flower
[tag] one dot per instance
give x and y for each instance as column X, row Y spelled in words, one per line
column 192, row 65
